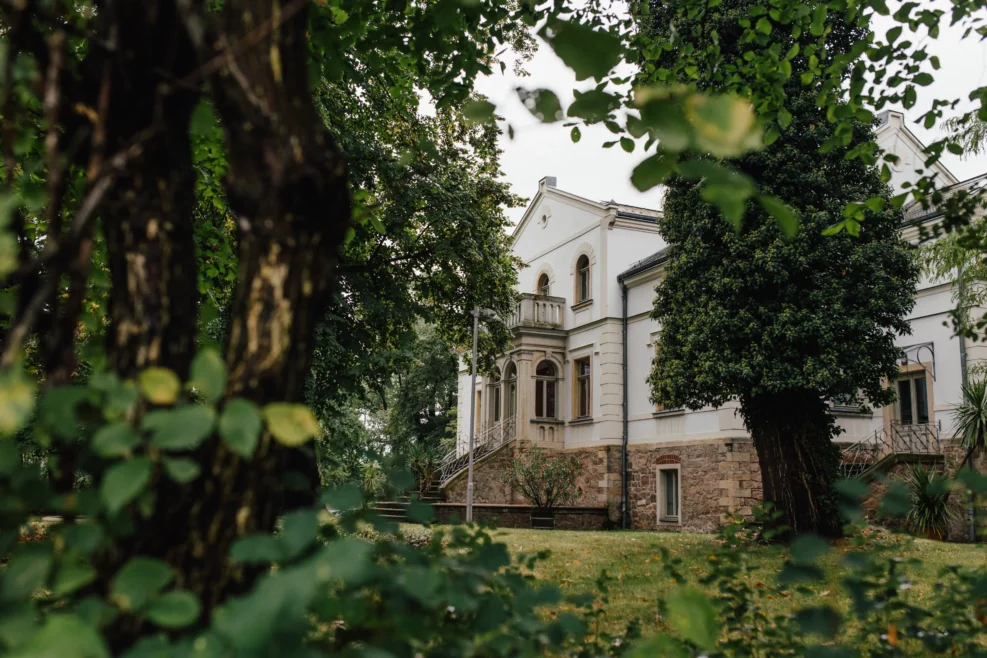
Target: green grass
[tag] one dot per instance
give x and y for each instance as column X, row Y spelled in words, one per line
column 638, row 582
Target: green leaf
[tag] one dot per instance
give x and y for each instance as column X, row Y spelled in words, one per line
column 787, row 221
column 115, row 440
column 58, row 409
column 138, row 581
column 8, row 253
column 180, row 429
column 653, row 171
column 822, row 621
column 784, row 118
column 543, row 104
column 808, row 548
column 291, row 424
column 257, row 549
column 875, row 204
column 27, row 572
column 763, row 25
column 159, row 385
column 16, row 400
column 123, row 482
column 690, row 612
column 175, row 609
column 299, row 530
column 209, row 374
column 923, row 79
column 479, row 111
column 627, row 144
column 181, row 469
column 64, row 636
column 71, row 577
column 240, row 426
column 575, row 134
column 588, row 52
column 593, row 105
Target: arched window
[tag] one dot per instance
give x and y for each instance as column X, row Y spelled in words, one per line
column 582, row 279
column 544, row 285
column 545, row 388
column 494, row 395
column 510, row 383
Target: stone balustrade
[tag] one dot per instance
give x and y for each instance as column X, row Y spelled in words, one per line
column 538, row 311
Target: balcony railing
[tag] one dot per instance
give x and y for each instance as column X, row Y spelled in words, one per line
column 538, row 311
column 919, row 439
column 485, row 442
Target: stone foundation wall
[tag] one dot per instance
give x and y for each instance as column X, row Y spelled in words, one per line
column 715, row 478
column 490, row 483
column 519, row 516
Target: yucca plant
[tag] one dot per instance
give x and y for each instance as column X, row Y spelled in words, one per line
column 423, row 462
column 971, row 417
column 929, row 514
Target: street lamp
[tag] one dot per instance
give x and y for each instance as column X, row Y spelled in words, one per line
column 487, row 315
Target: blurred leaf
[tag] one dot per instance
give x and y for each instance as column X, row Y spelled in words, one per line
column 64, row 636
column 209, row 374
column 240, row 425
column 16, row 399
column 653, row 171
column 26, row 572
column 123, row 482
column 808, row 548
column 159, row 385
column 179, row 429
column 691, row 614
column 181, row 469
column 787, row 221
column 291, row 424
column 542, row 103
column 823, row 621
column 138, row 581
column 479, row 111
column 175, row 609
column 115, row 440
column 588, row 52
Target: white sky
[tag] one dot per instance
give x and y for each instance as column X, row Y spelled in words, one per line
column 587, row 169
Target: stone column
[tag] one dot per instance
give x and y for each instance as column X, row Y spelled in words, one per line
column 525, row 394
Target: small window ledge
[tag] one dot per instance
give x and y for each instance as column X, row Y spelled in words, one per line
column 581, row 421
column 586, row 303
column 548, row 421
column 671, row 520
column 850, row 411
column 665, row 413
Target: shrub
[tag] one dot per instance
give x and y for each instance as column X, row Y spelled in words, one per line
column 547, row 480
column 930, row 513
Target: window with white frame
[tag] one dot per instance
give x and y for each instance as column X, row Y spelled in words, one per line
column 544, row 285
column 582, row 279
column 545, row 386
column 584, row 388
column 669, row 494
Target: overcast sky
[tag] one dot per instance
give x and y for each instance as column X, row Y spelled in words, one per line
column 587, row 169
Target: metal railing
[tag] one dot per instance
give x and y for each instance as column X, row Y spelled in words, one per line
column 486, row 442
column 921, row 439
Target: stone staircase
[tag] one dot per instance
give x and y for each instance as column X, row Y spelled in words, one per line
column 397, row 510
column 888, row 446
column 486, row 442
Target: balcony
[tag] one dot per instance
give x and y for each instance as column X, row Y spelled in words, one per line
column 538, row 311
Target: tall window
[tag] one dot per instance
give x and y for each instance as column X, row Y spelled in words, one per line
column 545, row 384
column 582, row 279
column 495, row 396
column 583, row 388
column 544, row 285
column 913, row 400
column 668, row 494
column 510, row 383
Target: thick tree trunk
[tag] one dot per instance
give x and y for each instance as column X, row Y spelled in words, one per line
column 288, row 186
column 793, row 436
column 148, row 220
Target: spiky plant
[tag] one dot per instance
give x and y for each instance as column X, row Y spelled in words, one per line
column 423, row 462
column 971, row 416
column 929, row 513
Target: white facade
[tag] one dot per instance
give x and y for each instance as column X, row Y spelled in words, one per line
column 560, row 231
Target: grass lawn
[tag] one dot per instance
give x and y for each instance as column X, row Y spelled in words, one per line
column 638, row 582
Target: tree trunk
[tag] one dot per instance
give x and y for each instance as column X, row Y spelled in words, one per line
column 793, row 435
column 288, row 186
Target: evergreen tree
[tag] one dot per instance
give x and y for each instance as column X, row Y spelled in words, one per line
column 783, row 325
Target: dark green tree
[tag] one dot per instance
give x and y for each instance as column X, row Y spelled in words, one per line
column 784, row 324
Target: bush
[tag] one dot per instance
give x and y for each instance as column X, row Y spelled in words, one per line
column 547, row 480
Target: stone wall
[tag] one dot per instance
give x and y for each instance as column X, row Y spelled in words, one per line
column 715, row 478
column 519, row 516
column 490, row 483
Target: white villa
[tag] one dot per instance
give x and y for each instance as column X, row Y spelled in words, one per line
column 576, row 376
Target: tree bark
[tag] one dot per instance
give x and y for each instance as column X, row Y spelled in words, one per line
column 148, row 220
column 793, row 435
